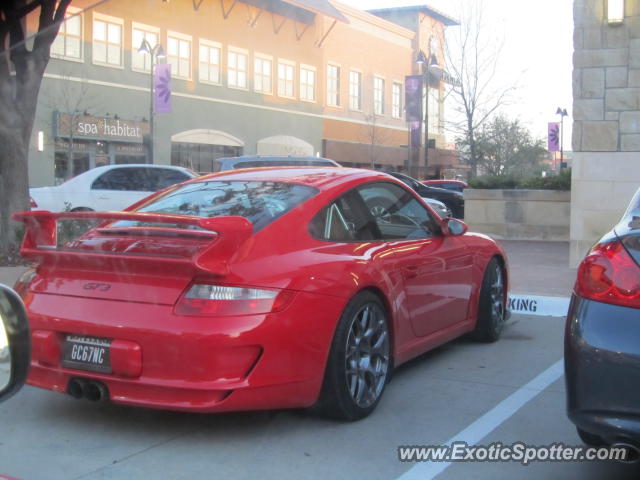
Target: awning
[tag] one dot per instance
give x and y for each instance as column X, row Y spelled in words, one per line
column 303, row 11
column 207, row 137
column 323, row 7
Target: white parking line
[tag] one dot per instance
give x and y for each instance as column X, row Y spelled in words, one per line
column 489, row 421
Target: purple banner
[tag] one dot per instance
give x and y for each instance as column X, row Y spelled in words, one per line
column 162, row 88
column 413, row 97
column 553, row 139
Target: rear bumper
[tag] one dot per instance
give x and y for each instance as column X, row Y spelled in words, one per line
column 200, row 364
column 602, row 368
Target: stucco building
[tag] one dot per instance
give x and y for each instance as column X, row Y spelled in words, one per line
column 252, row 76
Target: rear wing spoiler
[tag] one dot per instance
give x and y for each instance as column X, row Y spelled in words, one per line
column 228, row 235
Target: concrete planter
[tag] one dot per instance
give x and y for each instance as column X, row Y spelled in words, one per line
column 519, row 214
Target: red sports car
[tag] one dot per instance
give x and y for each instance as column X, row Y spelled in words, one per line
column 255, row 289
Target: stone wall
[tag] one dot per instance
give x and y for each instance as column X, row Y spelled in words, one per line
column 606, row 120
column 518, row 214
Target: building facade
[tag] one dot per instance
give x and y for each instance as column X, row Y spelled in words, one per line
column 255, row 76
column 606, row 117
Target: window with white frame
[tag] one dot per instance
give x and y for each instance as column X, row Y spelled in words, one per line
column 141, row 62
column 262, row 74
column 333, row 85
column 107, row 41
column 209, row 62
column 378, row 95
column 307, row 83
column 396, row 100
column 68, row 42
column 237, row 69
column 355, row 90
column 179, row 55
column 285, row 79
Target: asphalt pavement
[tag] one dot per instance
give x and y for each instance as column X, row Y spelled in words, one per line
column 506, row 392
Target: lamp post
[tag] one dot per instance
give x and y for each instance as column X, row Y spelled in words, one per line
column 426, row 62
column 563, row 113
column 156, row 52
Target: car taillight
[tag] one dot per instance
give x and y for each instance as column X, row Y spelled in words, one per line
column 608, row 274
column 33, row 203
column 22, row 284
column 204, row 299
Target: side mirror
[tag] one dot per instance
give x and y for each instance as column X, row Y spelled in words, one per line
column 453, row 227
column 15, row 343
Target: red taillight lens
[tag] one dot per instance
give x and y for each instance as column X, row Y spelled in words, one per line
column 33, row 203
column 221, row 300
column 608, row 274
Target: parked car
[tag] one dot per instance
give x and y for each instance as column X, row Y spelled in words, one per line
column 602, row 338
column 455, row 185
column 453, row 200
column 110, row 187
column 255, row 289
column 440, row 208
column 252, row 161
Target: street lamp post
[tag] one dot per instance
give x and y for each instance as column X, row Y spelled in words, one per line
column 563, row 113
column 156, row 52
column 427, row 62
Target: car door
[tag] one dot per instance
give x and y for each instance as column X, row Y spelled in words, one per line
column 118, row 188
column 436, row 269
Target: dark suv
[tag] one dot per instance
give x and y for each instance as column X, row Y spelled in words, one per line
column 452, row 199
column 251, row 161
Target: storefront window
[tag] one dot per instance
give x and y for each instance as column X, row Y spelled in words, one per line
column 200, row 157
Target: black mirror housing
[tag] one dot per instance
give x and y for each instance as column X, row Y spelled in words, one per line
column 15, row 356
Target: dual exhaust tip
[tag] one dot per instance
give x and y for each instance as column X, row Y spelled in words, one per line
column 90, row 389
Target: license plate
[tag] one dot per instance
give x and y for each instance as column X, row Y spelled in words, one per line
column 87, row 353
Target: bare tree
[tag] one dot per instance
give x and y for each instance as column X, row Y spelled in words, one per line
column 374, row 135
column 473, row 58
column 21, row 72
column 72, row 98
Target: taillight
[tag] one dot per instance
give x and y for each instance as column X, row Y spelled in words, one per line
column 608, row 274
column 204, row 299
column 22, row 284
column 33, row 203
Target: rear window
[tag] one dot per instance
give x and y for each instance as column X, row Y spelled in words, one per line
column 259, row 202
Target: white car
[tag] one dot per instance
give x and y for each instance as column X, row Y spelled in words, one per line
column 110, row 187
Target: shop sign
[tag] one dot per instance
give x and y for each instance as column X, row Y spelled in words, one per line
column 100, row 128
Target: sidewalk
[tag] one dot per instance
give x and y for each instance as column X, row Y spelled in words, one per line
column 9, row 275
column 539, row 268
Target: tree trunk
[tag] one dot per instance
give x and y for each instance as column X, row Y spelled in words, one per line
column 18, row 101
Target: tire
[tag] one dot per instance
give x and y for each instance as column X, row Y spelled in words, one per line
column 492, row 308
column 360, row 363
column 590, row 438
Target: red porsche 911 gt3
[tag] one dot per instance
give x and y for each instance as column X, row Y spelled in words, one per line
column 255, row 289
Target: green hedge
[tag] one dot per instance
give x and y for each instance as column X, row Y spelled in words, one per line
column 561, row 181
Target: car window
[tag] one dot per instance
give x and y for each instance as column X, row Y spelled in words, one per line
column 398, row 214
column 119, row 179
column 345, row 220
column 165, row 177
column 259, row 202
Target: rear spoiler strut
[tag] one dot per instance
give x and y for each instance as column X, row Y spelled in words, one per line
column 230, row 234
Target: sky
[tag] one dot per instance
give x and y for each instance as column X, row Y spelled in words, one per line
column 537, row 54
